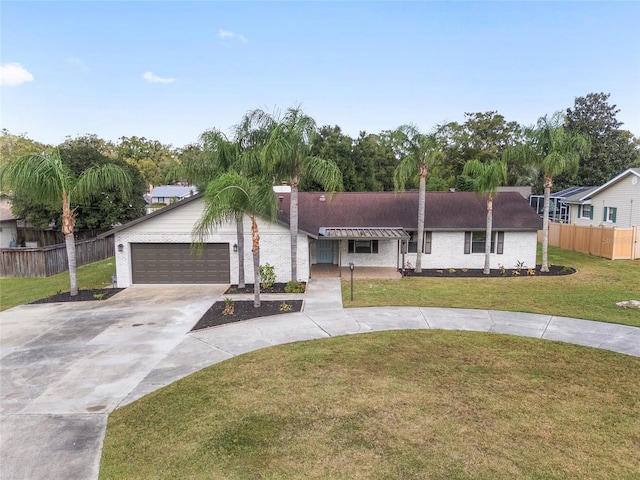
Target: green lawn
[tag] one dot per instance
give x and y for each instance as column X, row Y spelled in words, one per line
column 591, row 293
column 390, row 405
column 18, row 291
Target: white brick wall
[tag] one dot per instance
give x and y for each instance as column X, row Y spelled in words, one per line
column 275, row 247
column 448, row 252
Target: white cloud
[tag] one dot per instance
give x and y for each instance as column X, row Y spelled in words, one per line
column 150, row 77
column 12, row 74
column 224, row 34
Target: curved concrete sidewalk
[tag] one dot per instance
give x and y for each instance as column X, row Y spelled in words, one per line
column 56, row 396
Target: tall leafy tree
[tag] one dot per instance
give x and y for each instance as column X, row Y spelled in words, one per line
column 367, row 154
column 613, row 149
column 288, row 155
column 554, row 151
column 482, row 136
column 487, row 177
column 332, row 144
column 419, row 154
column 154, row 160
column 46, row 178
column 233, row 195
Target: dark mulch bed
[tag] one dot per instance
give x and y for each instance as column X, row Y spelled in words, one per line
column 83, row 296
column 554, row 270
column 276, row 288
column 244, row 310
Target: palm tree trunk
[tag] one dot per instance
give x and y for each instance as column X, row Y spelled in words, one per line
column 487, row 243
column 421, row 207
column 255, row 248
column 240, row 240
column 293, row 228
column 548, row 182
column 68, row 224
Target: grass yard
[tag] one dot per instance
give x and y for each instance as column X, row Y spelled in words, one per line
column 18, row 291
column 390, row 405
column 590, row 294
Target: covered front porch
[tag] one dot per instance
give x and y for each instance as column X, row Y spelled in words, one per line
column 323, row 270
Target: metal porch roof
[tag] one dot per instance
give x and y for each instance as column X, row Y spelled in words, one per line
column 369, row 233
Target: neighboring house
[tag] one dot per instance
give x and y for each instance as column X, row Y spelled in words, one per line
column 8, row 226
column 558, row 203
column 368, row 229
column 615, row 204
column 168, row 194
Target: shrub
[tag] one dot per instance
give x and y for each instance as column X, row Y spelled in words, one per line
column 294, row 287
column 267, row 275
column 228, row 306
column 285, row 307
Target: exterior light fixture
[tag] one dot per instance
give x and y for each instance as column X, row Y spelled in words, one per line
column 120, row 247
column 235, row 248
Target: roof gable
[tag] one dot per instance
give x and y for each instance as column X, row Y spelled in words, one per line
column 616, row 179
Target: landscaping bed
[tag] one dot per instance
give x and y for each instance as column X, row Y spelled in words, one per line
column 554, row 270
column 244, row 310
column 83, row 296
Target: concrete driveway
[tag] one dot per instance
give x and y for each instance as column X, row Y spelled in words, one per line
column 66, row 366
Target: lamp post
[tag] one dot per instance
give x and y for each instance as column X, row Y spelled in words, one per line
column 351, row 267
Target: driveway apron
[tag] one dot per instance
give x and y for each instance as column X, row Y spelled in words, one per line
column 66, row 366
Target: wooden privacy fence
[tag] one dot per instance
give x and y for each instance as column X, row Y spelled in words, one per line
column 608, row 242
column 47, row 261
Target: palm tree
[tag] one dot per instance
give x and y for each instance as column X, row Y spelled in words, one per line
column 419, row 153
column 287, row 154
column 234, row 195
column 45, row 179
column 220, row 155
column 553, row 151
column 487, row 177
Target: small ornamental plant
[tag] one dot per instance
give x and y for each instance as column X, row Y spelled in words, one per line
column 294, row 287
column 531, row 272
column 229, row 308
column 285, row 307
column 503, row 271
column 267, row 275
column 98, row 296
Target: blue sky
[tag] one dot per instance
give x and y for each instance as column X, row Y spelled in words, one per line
column 170, row 70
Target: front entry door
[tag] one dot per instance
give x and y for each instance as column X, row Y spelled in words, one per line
column 324, row 251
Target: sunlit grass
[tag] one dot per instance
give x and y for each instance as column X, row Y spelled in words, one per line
column 591, row 293
column 390, row 405
column 18, row 291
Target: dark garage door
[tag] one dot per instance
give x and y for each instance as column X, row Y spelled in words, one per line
column 174, row 263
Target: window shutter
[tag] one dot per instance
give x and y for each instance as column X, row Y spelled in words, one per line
column 427, row 239
column 614, row 211
column 591, row 213
column 500, row 243
column 467, row 242
column 605, row 214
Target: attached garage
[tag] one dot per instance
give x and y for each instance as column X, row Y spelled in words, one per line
column 174, row 263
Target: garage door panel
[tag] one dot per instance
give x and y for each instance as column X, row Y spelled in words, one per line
column 174, row 263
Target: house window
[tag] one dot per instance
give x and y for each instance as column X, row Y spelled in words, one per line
column 610, row 214
column 363, row 246
column 585, row 211
column 413, row 244
column 474, row 242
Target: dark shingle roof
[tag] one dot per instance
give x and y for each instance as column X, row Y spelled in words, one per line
column 443, row 211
